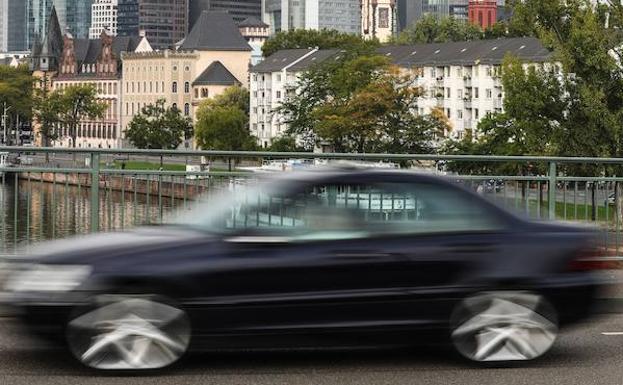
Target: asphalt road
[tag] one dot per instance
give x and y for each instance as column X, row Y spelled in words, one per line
column 582, row 355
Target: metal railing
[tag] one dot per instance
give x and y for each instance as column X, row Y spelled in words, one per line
column 57, row 192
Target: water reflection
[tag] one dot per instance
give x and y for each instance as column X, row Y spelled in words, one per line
column 33, row 211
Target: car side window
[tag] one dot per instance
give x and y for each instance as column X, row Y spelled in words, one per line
column 345, row 211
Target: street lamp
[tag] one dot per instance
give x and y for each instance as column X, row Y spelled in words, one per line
column 5, row 110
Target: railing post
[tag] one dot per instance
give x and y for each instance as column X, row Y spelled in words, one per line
column 95, row 192
column 551, row 190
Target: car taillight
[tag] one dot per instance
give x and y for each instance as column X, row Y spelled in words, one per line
column 594, row 259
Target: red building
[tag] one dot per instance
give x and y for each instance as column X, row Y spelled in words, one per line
column 483, row 12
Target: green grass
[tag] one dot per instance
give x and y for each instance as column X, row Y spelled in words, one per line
column 141, row 166
column 564, row 210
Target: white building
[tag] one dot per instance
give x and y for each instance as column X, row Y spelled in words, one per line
column 460, row 78
column 284, row 15
column 103, row 16
column 271, row 82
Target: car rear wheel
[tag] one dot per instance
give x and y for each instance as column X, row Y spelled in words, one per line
column 129, row 334
column 504, row 326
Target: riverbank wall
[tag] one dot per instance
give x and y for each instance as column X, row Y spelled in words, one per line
column 164, row 186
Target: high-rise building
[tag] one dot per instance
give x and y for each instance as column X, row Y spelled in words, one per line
column 483, row 12
column 103, row 17
column 73, row 16
column 239, row 9
column 409, row 11
column 378, row 19
column 4, row 25
column 163, row 22
column 17, row 22
column 341, row 15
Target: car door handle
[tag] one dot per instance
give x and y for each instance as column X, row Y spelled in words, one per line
column 363, row 255
column 471, row 247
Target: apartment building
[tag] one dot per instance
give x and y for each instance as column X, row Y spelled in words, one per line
column 461, row 78
column 271, row 82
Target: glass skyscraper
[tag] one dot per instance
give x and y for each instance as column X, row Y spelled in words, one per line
column 164, row 22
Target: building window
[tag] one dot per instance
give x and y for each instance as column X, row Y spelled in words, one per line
column 459, row 93
column 459, row 114
column 476, row 93
column 476, row 114
column 448, row 113
column 174, row 106
column 204, row 93
column 174, row 88
column 196, row 93
column 488, row 93
column 278, row 94
column 186, row 87
column 383, row 17
column 186, row 109
column 448, row 92
column 278, row 77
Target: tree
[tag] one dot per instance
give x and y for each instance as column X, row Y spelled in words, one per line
column 46, row 109
column 430, row 29
column 285, row 143
column 323, row 39
column 223, row 128
column 74, row 104
column 361, row 104
column 235, row 96
column 16, row 85
column 159, row 127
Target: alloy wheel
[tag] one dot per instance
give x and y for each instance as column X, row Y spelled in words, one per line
column 504, row 326
column 131, row 333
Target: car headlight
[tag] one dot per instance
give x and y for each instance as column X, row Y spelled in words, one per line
column 49, row 278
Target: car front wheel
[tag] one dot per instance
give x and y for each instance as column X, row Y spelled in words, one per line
column 131, row 333
column 503, row 326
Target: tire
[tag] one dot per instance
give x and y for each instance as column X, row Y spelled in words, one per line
column 503, row 326
column 129, row 333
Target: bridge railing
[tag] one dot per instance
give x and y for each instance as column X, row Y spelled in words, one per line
column 49, row 193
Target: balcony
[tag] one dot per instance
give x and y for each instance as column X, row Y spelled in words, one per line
column 467, row 124
column 439, row 81
column 497, row 81
column 467, row 79
column 467, row 101
column 498, row 103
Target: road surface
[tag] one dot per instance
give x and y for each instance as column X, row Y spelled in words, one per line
column 583, row 355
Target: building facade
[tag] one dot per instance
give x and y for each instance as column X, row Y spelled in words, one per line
column 213, row 56
column 410, row 11
column 272, row 81
column 96, row 62
column 239, row 9
column 378, row 19
column 164, row 22
column 483, row 13
column 284, row 15
column 103, row 17
column 462, row 79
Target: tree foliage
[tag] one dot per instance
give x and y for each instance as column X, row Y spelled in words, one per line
column 223, row 122
column 159, row 127
column 74, row 104
column 430, row 29
column 323, row 39
column 361, row 104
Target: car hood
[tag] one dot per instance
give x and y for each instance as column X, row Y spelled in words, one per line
column 92, row 248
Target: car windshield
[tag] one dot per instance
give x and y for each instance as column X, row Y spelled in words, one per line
column 341, row 210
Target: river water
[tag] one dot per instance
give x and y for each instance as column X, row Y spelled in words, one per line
column 32, row 211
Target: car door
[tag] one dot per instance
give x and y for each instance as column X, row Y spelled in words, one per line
column 304, row 261
column 447, row 234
